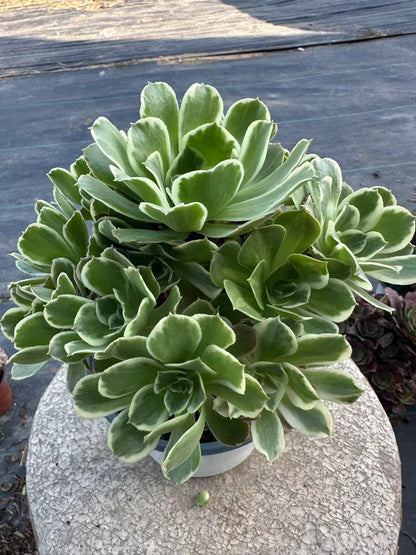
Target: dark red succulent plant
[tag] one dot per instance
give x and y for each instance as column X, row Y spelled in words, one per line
column 384, row 348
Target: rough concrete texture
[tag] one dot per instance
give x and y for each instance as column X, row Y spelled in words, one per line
column 323, row 496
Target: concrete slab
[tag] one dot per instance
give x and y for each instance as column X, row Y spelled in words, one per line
column 327, row 496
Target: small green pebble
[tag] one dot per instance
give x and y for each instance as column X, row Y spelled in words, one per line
column 202, row 498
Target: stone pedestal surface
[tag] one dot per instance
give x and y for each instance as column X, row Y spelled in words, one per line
column 340, row 495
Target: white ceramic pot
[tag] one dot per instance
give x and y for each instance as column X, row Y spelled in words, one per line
column 216, row 457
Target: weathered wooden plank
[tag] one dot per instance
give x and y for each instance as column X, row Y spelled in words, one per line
column 37, row 39
column 357, row 101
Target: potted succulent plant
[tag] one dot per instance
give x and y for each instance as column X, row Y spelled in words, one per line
column 203, row 296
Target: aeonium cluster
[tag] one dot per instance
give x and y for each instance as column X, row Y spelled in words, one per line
column 384, row 348
column 191, row 273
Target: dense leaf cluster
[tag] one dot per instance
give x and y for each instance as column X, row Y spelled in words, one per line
column 384, row 347
column 191, row 274
column 363, row 233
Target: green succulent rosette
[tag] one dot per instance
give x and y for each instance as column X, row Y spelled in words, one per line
column 290, row 365
column 169, row 389
column 51, row 252
column 188, row 170
column 70, row 319
column 364, row 233
column 272, row 273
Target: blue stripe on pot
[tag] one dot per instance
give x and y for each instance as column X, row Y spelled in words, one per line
column 212, row 448
column 110, row 417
